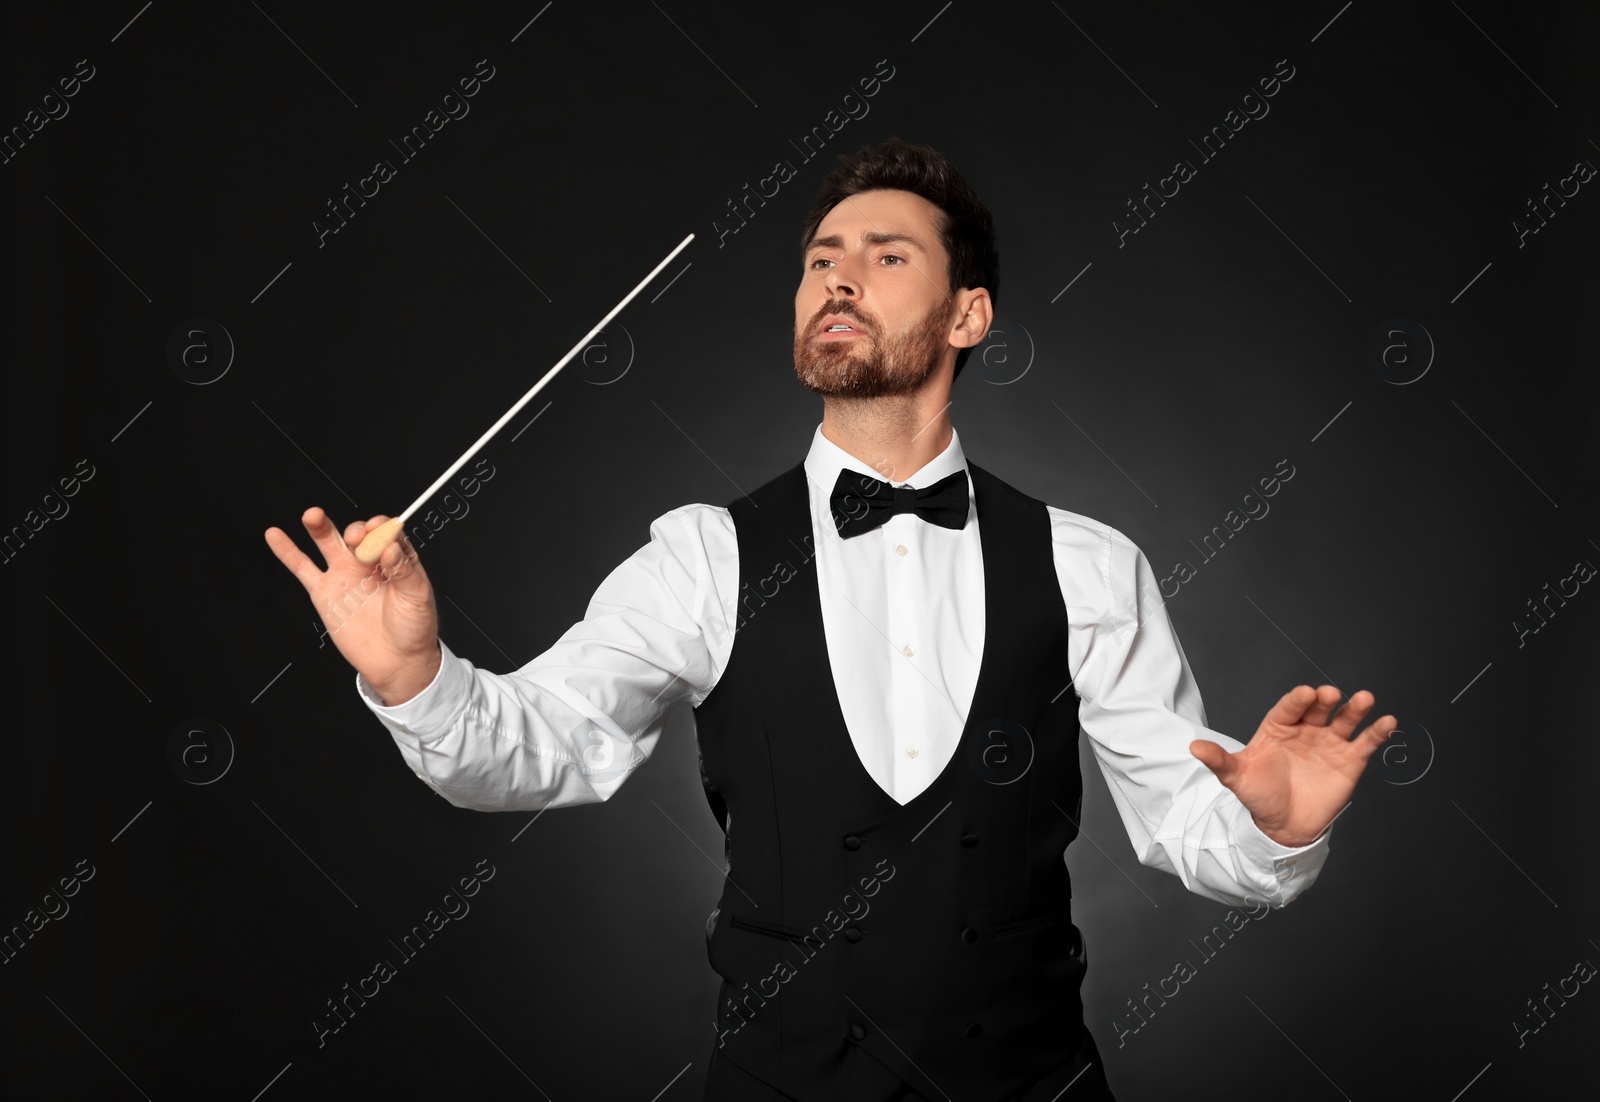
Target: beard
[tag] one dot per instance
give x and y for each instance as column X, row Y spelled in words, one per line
column 871, row 365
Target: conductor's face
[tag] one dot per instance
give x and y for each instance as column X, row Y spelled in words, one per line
column 878, row 266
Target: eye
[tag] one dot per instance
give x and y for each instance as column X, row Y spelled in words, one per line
column 900, row 261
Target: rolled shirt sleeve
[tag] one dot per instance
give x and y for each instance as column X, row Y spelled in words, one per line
column 1140, row 708
column 572, row 724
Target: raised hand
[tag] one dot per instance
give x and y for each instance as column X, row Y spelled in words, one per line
column 381, row 616
column 1297, row 773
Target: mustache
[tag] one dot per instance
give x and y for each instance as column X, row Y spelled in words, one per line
column 844, row 309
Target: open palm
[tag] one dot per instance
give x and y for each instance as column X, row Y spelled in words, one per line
column 1298, row 771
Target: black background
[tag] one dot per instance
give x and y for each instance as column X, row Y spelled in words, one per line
column 1388, row 181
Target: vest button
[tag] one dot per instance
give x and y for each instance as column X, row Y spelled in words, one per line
column 969, row 934
column 852, row 842
column 974, row 1029
column 852, row 934
column 969, row 840
column 858, row 1031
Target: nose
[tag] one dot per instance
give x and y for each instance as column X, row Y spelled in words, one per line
column 840, row 282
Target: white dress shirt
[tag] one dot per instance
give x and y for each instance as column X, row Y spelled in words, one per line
column 903, row 613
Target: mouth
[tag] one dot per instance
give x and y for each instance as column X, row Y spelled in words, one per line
column 836, row 328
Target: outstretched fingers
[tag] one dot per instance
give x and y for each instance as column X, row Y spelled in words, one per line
column 1322, row 706
column 1291, row 707
column 335, row 549
column 298, row 562
column 1354, row 711
column 1376, row 734
column 319, row 526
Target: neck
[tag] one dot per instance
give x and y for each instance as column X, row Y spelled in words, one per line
column 895, row 435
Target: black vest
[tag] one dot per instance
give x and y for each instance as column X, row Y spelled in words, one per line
column 937, row 935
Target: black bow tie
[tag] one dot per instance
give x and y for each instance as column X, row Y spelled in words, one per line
column 861, row 503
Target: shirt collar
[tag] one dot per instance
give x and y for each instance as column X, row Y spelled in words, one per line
column 826, row 459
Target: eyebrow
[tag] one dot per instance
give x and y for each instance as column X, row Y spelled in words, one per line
column 872, row 237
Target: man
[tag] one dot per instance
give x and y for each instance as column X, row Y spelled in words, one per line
column 887, row 698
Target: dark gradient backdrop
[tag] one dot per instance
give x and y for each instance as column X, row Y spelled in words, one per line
column 1353, row 282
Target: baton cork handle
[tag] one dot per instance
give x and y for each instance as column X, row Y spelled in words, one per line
column 372, row 547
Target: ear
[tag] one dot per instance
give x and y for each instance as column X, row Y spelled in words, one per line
column 973, row 314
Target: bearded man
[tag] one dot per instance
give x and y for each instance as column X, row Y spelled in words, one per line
column 890, row 653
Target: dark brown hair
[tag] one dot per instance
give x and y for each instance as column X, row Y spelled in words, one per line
column 966, row 230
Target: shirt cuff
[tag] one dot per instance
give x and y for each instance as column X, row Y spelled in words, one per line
column 435, row 710
column 1285, row 871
